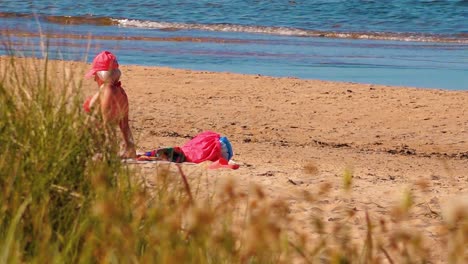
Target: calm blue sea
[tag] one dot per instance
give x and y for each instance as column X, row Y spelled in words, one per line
column 418, row 43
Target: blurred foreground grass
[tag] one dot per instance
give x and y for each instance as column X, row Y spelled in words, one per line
column 61, row 204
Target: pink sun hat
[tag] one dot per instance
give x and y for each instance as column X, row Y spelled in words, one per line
column 104, row 61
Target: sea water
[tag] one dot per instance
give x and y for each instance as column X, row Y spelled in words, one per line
column 418, row 43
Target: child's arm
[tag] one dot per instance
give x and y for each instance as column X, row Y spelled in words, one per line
column 88, row 104
column 93, row 100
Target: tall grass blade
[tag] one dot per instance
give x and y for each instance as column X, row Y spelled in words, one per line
column 6, row 248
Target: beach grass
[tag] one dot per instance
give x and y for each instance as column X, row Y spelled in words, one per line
column 67, row 198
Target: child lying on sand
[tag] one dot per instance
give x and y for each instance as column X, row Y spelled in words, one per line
column 206, row 146
column 112, row 99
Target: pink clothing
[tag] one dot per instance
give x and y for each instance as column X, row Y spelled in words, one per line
column 205, row 146
column 104, row 61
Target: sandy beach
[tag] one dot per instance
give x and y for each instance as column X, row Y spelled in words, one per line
column 291, row 135
column 348, row 120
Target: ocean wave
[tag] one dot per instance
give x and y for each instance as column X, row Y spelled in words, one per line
column 254, row 29
column 80, row 20
column 64, row 20
column 285, row 31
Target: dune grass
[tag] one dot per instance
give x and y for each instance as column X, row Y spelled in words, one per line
column 65, row 197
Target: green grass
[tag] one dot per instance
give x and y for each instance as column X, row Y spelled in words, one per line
column 65, row 197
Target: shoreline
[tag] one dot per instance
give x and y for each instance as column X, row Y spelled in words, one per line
column 426, row 65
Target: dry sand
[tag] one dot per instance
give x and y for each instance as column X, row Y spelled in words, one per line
column 291, row 135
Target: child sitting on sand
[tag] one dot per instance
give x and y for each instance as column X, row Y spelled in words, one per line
column 112, row 99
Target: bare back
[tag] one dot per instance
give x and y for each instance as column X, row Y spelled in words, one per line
column 114, row 103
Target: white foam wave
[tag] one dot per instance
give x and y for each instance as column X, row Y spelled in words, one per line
column 212, row 27
column 283, row 31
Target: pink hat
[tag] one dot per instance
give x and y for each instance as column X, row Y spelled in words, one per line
column 104, row 61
